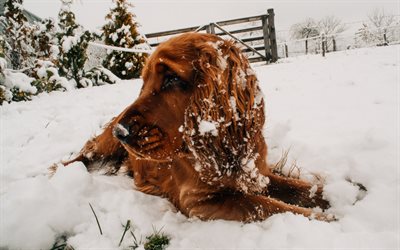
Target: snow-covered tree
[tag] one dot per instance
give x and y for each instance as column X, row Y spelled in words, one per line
column 44, row 39
column 66, row 19
column 18, row 37
column 331, row 26
column 364, row 35
column 121, row 31
column 4, row 95
column 304, row 30
column 73, row 41
column 2, row 47
column 16, row 86
column 378, row 30
column 380, row 23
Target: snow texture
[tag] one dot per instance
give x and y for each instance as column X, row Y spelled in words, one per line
column 208, row 127
column 48, row 68
column 120, row 130
column 69, row 42
column 20, row 81
column 221, row 59
column 3, row 64
column 338, row 115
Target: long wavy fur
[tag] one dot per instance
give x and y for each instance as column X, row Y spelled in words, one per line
column 229, row 98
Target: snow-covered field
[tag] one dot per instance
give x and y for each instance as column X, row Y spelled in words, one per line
column 339, row 116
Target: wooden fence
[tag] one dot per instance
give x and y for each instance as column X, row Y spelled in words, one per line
column 256, row 34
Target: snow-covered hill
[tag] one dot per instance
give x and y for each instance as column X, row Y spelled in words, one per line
column 339, row 116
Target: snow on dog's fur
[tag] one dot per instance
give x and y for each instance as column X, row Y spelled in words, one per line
column 194, row 135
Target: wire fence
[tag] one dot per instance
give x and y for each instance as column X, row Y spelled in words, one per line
column 340, row 41
column 349, row 39
column 97, row 51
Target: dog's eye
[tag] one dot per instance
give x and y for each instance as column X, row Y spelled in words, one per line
column 171, row 81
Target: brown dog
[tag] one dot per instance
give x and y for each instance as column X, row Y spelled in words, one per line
column 194, row 136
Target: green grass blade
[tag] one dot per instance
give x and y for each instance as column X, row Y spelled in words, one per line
column 97, row 220
column 127, row 226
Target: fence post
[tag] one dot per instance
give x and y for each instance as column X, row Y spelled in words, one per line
column 272, row 35
column 306, row 45
column 286, row 51
column 323, row 44
column 267, row 45
column 333, row 43
column 210, row 28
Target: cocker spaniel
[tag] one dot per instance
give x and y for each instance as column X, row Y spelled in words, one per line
column 194, row 136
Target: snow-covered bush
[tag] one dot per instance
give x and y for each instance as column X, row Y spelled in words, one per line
column 18, row 37
column 364, row 36
column 18, row 86
column 44, row 40
column 73, row 42
column 100, row 76
column 44, row 77
column 48, row 79
column 73, row 56
column 5, row 94
column 46, row 56
column 121, row 31
column 14, row 86
column 2, row 46
column 3, row 65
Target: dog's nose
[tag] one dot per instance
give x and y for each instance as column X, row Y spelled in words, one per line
column 121, row 132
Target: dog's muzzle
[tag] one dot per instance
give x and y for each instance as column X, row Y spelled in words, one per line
column 141, row 138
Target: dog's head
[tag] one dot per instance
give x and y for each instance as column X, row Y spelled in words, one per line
column 199, row 98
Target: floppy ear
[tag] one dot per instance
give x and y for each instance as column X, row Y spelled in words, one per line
column 226, row 114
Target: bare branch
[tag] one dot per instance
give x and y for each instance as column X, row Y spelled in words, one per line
column 307, row 28
column 379, row 19
column 331, row 25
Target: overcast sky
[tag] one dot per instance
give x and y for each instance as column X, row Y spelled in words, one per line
column 158, row 15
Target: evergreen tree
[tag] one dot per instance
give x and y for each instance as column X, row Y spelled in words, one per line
column 121, row 31
column 44, row 40
column 364, row 36
column 66, row 19
column 4, row 94
column 18, row 35
column 73, row 41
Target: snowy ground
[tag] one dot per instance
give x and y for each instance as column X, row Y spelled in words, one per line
column 339, row 116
